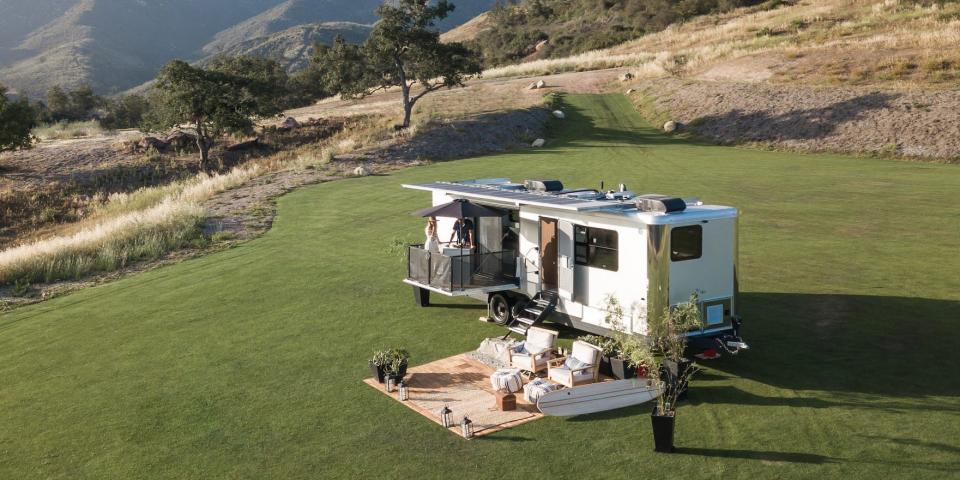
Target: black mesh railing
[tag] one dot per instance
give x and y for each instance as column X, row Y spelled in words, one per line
column 461, row 271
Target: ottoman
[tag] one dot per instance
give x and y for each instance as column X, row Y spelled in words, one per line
column 506, row 380
column 537, row 388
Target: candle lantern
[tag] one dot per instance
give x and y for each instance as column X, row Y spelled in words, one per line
column 404, row 391
column 445, row 416
column 466, row 427
column 388, row 383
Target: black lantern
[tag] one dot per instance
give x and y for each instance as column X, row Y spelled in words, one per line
column 445, row 416
column 466, row 427
column 404, row 391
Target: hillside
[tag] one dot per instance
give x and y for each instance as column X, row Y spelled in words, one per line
column 292, row 47
column 534, row 29
column 117, row 44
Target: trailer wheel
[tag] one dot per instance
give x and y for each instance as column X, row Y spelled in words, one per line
column 500, row 309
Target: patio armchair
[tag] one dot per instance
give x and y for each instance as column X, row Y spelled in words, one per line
column 580, row 367
column 532, row 354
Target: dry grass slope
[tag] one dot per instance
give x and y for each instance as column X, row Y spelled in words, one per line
column 900, row 44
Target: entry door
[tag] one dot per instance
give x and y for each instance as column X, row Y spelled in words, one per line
column 548, row 253
column 565, row 259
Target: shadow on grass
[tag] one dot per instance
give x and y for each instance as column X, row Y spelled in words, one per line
column 767, row 456
column 855, row 347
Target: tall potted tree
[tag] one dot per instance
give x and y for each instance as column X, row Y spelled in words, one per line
column 660, row 353
column 670, row 371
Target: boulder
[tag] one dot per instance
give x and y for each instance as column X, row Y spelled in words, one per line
column 630, row 90
column 532, row 86
column 244, row 145
column 626, row 77
column 671, row 126
column 361, row 171
column 539, row 46
column 289, row 123
column 538, row 142
column 541, row 84
column 180, row 140
column 151, row 142
column 558, row 114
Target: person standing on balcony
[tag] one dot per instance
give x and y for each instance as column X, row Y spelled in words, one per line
column 463, row 232
column 433, row 239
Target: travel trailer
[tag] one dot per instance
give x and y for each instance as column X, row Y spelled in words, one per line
column 560, row 254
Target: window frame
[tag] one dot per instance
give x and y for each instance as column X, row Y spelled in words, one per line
column 585, row 252
column 689, row 256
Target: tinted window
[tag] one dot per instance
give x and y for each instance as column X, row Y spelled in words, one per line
column 686, row 243
column 595, row 247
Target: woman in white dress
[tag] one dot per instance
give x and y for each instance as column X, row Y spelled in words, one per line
column 433, row 240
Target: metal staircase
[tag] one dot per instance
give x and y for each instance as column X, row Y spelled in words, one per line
column 532, row 313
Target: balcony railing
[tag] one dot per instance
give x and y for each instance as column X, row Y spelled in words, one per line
column 463, row 271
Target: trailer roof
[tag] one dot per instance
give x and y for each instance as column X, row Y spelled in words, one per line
column 500, row 192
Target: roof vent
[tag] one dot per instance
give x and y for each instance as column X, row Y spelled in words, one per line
column 543, row 185
column 660, row 203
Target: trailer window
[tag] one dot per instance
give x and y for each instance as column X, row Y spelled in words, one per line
column 595, row 247
column 686, row 243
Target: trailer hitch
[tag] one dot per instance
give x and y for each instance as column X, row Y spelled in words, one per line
column 732, row 344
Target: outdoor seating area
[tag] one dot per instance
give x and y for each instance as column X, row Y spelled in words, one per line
column 494, row 388
column 462, row 385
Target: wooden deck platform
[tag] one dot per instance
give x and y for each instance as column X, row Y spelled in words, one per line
column 463, row 385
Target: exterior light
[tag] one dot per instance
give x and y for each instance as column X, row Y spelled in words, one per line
column 466, row 427
column 445, row 416
column 404, row 391
column 388, row 383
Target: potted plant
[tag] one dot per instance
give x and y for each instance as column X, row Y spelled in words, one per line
column 618, row 364
column 670, row 371
column 660, row 354
column 396, row 366
column 378, row 364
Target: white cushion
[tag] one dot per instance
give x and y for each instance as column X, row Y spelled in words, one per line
column 573, row 363
column 539, row 339
column 562, row 374
column 585, row 352
column 526, row 349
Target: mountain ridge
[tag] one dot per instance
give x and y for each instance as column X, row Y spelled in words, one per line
column 115, row 45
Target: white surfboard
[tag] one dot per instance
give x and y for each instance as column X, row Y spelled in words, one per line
column 597, row 397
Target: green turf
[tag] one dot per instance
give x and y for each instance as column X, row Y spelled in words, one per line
column 247, row 363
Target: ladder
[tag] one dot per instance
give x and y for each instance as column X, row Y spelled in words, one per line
column 532, row 313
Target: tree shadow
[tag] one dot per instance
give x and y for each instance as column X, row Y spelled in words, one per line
column 767, row 456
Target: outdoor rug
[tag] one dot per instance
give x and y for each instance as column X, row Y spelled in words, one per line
column 462, row 384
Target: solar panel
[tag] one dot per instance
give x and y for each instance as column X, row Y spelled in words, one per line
column 519, row 197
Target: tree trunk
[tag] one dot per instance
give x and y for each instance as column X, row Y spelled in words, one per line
column 407, row 104
column 407, row 111
column 204, row 153
column 204, row 145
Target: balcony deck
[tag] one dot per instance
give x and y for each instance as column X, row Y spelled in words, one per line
column 463, row 273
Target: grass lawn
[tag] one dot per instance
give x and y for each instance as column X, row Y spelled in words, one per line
column 248, row 363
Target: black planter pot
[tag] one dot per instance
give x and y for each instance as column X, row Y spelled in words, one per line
column 621, row 369
column 399, row 374
column 376, row 371
column 662, row 431
column 605, row 367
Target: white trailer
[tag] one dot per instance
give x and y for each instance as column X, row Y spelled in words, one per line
column 559, row 254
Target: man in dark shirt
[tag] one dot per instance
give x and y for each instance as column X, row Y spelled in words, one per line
column 463, row 233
